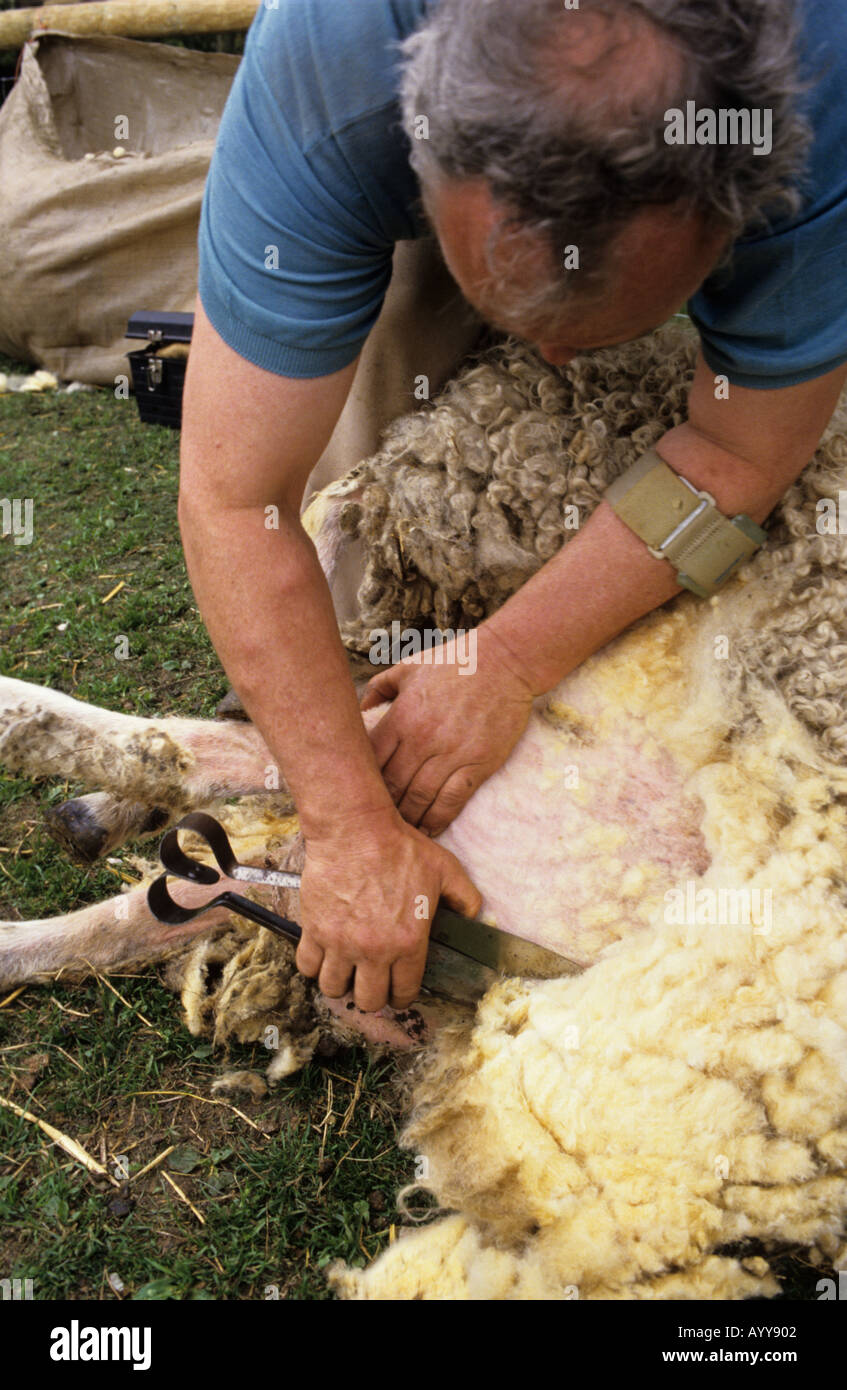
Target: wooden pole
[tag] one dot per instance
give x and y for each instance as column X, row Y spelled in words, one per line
column 133, row 19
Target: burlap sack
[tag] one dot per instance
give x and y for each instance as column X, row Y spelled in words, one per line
column 86, row 241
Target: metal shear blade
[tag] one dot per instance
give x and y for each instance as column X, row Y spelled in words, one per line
column 176, row 861
column 165, row 909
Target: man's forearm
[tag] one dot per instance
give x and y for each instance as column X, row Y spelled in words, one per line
column 745, row 449
column 606, row 578
column 267, row 607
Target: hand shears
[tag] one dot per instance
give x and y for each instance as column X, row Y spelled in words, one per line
column 464, row 959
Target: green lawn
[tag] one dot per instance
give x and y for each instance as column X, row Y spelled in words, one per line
column 275, row 1191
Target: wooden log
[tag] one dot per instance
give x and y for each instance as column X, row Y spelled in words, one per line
column 132, row 19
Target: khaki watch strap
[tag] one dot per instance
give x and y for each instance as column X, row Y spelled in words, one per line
column 681, row 525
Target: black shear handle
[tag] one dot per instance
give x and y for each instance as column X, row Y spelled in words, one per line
column 283, row 926
column 165, row 909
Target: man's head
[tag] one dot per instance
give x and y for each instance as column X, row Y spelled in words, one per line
column 657, row 260
column 563, row 212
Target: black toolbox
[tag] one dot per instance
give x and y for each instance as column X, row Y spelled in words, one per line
column 158, row 369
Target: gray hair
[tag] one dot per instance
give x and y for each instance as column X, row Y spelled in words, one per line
column 576, row 170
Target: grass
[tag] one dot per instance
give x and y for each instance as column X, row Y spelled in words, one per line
column 282, row 1185
column 277, row 1189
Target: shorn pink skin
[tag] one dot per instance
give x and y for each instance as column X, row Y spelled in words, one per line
column 572, row 841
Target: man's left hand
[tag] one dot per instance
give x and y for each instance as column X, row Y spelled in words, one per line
column 449, row 728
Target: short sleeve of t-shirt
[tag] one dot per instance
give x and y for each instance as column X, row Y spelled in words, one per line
column 777, row 315
column 309, row 186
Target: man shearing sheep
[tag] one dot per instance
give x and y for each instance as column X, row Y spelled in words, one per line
column 584, row 169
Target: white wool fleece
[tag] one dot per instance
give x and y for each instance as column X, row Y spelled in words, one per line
column 602, row 1136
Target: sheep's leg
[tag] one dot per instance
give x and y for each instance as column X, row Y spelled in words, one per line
column 172, row 764
column 120, row 931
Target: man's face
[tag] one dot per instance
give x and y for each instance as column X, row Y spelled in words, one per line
column 662, row 257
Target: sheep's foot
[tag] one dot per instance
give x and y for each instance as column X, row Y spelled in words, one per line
column 231, row 707
column 91, row 826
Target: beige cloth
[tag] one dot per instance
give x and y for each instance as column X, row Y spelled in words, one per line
column 426, row 328
column 89, row 237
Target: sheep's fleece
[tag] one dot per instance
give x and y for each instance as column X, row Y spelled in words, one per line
column 609, row 1135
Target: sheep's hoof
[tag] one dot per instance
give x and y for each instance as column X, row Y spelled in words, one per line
column 89, row 826
column 230, row 707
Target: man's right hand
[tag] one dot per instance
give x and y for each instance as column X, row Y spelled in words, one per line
column 368, row 893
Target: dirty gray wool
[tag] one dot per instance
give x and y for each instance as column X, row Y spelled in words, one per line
column 469, row 497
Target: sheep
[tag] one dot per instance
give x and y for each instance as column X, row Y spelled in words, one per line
column 605, row 1136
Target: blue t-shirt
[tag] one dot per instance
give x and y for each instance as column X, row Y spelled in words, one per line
column 310, row 188
column 310, row 184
